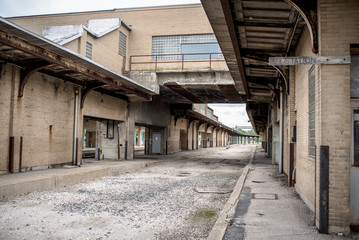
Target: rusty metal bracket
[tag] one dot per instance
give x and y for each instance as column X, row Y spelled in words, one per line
column 308, row 10
column 87, row 90
column 282, row 71
column 28, row 71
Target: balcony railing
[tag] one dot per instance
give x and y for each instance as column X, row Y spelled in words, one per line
column 188, row 61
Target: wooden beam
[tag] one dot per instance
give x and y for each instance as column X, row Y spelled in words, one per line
column 286, row 61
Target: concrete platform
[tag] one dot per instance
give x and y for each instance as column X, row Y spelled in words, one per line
column 22, row 183
column 269, row 209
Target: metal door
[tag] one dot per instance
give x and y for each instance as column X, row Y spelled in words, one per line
column 156, row 142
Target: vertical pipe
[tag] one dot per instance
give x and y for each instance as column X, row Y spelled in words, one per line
column 77, row 147
column 291, row 165
column 74, row 157
column 11, row 154
column 210, row 61
column 20, row 156
column 281, row 126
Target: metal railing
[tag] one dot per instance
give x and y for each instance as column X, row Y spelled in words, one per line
column 157, row 62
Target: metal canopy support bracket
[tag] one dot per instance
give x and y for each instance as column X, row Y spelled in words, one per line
column 308, row 10
column 28, row 72
column 87, row 90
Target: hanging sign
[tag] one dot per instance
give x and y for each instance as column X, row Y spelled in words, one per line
column 276, row 61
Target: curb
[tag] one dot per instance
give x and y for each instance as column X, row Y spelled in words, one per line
column 57, row 180
column 220, row 227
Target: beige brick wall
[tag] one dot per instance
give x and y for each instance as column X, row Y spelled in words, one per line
column 7, row 95
column 46, row 102
column 145, row 22
column 304, row 164
column 338, row 28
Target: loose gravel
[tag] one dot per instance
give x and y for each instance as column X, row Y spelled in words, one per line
column 158, row 202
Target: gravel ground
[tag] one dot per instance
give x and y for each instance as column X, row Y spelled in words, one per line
column 158, row 202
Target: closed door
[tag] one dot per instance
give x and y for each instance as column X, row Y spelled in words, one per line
column 156, row 142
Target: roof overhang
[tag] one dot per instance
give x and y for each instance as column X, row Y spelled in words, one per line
column 182, row 111
column 251, row 31
column 34, row 53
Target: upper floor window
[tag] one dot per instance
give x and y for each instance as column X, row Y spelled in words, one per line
column 122, row 44
column 312, row 112
column 185, row 44
column 89, row 50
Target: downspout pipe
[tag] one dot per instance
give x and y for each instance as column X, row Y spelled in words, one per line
column 281, row 130
column 74, row 157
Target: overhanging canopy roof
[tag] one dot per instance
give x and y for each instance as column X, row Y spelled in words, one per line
column 34, row 53
column 181, row 111
column 251, row 31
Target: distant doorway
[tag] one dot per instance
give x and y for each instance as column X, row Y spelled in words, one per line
column 156, row 142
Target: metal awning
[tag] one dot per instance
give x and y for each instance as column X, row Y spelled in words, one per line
column 251, row 31
column 33, row 53
column 182, row 111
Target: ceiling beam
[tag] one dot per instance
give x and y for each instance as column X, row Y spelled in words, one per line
column 183, row 92
column 229, row 18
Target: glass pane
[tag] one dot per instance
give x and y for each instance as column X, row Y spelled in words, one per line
column 200, row 48
column 356, row 137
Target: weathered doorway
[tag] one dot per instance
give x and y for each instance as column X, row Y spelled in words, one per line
column 156, row 142
column 183, row 140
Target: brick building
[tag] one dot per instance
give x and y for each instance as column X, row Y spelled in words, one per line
column 85, row 85
column 306, row 111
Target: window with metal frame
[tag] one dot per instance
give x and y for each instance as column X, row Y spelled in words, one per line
column 312, row 112
column 185, row 44
column 122, row 44
column 88, row 50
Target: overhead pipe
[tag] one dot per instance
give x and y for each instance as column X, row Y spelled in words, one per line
column 74, row 157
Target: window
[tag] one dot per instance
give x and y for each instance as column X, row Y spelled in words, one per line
column 200, row 48
column 89, row 50
column 312, row 112
column 177, row 44
column 122, row 44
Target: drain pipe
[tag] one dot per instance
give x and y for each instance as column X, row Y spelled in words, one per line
column 74, row 157
column 281, row 130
